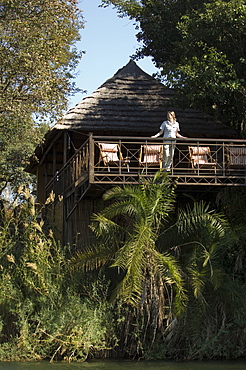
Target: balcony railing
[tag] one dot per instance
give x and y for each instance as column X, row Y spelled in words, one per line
column 225, row 164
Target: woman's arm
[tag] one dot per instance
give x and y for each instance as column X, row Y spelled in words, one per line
column 158, row 134
column 178, row 135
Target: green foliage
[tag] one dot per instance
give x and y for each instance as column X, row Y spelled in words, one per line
column 153, row 259
column 199, row 45
column 212, row 325
column 127, row 230
column 232, row 203
column 208, row 332
column 37, row 57
column 43, row 314
column 146, row 283
column 177, row 283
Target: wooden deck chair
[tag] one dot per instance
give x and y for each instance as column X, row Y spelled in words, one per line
column 151, row 155
column 236, row 156
column 111, row 154
column 200, row 157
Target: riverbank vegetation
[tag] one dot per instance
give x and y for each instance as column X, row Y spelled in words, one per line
column 44, row 310
column 161, row 281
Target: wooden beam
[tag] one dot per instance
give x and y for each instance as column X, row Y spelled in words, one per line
column 48, row 149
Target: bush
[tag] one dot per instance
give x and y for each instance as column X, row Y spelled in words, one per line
column 42, row 311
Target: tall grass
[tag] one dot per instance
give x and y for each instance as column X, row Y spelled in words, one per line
column 44, row 311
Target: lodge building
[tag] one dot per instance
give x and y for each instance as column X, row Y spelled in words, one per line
column 106, row 140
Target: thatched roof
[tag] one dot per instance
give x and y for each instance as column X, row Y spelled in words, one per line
column 134, row 103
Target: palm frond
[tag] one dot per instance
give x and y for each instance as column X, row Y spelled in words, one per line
column 217, row 278
column 200, row 216
column 105, row 228
column 121, row 207
column 197, row 280
column 92, row 257
column 121, row 193
column 132, row 258
column 127, row 293
column 172, row 275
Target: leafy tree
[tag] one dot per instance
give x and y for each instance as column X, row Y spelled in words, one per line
column 37, row 57
column 200, row 46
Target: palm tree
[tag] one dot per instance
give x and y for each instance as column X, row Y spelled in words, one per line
column 127, row 231
column 204, row 234
column 201, row 241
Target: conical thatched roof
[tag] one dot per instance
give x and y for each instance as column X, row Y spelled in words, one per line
column 134, row 103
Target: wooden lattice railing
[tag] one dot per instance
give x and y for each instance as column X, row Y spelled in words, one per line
column 227, row 160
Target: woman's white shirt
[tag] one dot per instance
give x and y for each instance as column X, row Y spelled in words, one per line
column 170, row 129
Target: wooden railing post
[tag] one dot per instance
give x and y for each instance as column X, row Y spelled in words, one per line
column 91, row 158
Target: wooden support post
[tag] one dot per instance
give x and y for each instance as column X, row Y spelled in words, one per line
column 54, row 160
column 65, row 149
column 64, row 222
column 91, row 158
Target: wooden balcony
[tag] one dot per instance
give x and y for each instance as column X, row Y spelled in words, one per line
column 86, row 171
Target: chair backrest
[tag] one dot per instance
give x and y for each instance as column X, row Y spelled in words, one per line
column 109, row 152
column 151, row 154
column 199, row 154
column 237, row 155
